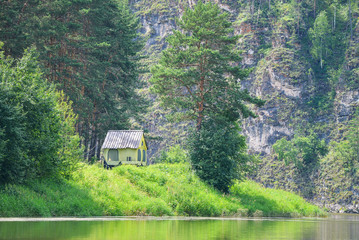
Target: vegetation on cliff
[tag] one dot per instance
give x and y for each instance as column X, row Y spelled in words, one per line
column 325, row 173
column 306, row 62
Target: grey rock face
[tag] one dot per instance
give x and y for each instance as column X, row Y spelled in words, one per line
column 281, row 75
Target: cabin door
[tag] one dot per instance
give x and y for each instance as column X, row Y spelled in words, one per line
column 113, row 155
column 138, row 155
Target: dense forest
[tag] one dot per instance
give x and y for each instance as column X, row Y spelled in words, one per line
column 86, row 49
column 72, row 70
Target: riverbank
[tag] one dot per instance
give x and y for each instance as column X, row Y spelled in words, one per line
column 157, row 190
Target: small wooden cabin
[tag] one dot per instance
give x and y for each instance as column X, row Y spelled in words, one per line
column 124, row 147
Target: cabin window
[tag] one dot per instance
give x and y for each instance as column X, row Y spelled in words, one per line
column 138, row 155
column 113, row 155
column 144, row 156
column 129, row 159
column 142, row 144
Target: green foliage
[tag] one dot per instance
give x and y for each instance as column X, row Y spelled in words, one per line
column 69, row 153
column 180, row 189
column 37, row 135
column 195, row 77
column 351, row 72
column 339, row 168
column 328, row 39
column 290, row 65
column 46, row 199
column 218, row 154
column 346, row 150
column 174, row 154
column 333, row 179
column 281, row 14
column 338, row 180
column 320, row 37
column 265, row 202
column 155, row 190
column 88, row 49
column 303, row 151
column 13, row 161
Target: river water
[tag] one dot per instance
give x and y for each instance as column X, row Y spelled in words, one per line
column 334, row 227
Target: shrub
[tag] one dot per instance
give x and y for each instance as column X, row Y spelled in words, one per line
column 218, row 153
column 174, row 154
column 37, row 135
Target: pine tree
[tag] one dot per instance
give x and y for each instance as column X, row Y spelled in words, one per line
column 111, row 71
column 88, row 49
column 199, row 74
column 198, row 77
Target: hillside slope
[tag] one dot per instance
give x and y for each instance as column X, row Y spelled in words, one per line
column 158, row 190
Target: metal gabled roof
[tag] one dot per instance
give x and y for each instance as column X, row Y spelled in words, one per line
column 117, row 139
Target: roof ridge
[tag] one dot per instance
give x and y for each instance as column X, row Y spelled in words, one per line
column 119, row 139
column 125, row 130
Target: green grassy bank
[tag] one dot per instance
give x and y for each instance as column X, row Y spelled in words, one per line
column 156, row 190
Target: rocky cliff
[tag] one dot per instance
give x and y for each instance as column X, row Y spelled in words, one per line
column 272, row 45
column 300, row 95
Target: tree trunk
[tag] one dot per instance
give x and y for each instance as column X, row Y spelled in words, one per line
column 92, row 146
column 98, row 147
column 350, row 20
column 335, row 12
column 321, row 53
column 86, row 140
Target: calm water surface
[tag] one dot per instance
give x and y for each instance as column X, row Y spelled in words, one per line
column 335, row 227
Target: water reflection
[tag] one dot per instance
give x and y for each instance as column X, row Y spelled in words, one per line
column 332, row 228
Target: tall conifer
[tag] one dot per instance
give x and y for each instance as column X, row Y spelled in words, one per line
column 199, row 74
column 199, row 77
column 87, row 49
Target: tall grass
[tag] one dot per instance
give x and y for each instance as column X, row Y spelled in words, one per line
column 47, row 198
column 181, row 189
column 262, row 201
column 158, row 190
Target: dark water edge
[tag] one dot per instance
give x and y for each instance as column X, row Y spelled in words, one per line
column 336, row 226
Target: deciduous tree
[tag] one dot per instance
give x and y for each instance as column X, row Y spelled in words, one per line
column 37, row 132
column 320, row 37
column 218, row 153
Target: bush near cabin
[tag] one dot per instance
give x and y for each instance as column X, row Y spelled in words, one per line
column 37, row 134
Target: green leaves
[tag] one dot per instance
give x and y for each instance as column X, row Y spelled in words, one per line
column 320, row 37
column 346, row 150
column 218, row 154
column 174, row 154
column 37, row 135
column 303, row 151
column 199, row 71
column 88, row 49
column 199, row 77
